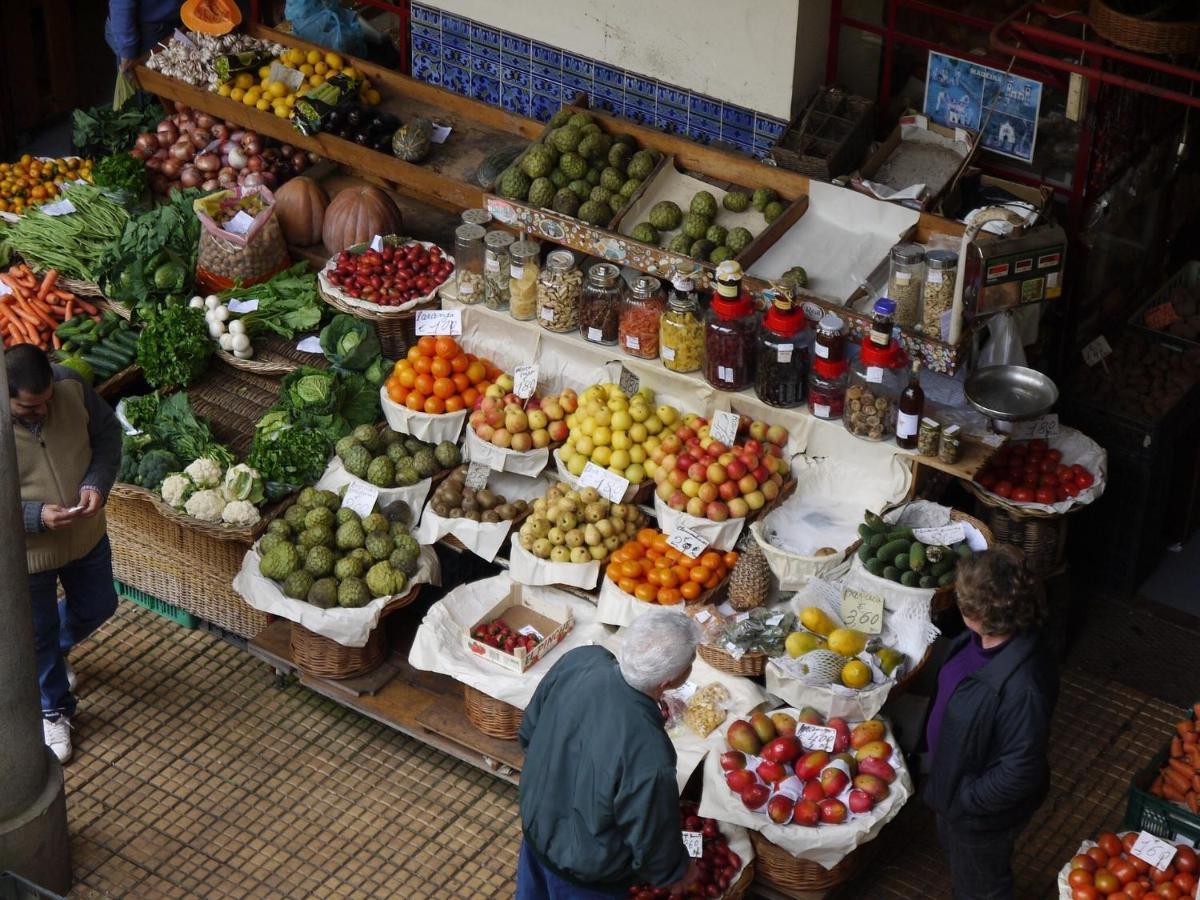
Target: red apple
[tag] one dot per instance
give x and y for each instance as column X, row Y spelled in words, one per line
column 676, row 477
column 671, row 444
column 806, row 812
column 684, row 462
column 738, row 508
column 769, row 489
column 678, row 501
column 750, row 460
column 735, row 469
column 833, row 812
column 698, row 472
column 761, row 474
column 717, row 511
column 685, row 434
column 860, row 801
column 728, row 490
column 695, row 507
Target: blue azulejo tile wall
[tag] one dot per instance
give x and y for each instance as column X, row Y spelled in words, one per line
column 533, row 79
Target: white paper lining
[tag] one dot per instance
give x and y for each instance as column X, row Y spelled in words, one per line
column 432, row 429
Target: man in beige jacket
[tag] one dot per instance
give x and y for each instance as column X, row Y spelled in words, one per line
column 68, row 452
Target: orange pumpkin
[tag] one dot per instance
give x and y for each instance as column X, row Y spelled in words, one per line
column 211, row 16
column 356, row 215
column 300, row 208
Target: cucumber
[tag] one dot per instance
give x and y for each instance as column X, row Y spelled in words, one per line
column 901, row 562
column 963, row 550
column 935, row 553
column 898, row 532
column 927, row 581
column 874, row 566
column 126, row 339
column 102, row 370
column 909, row 579
column 889, row 550
column 874, row 522
column 865, row 553
column 947, row 579
column 877, row 541
column 946, row 565
column 891, row 573
column 114, row 357
column 916, row 557
column 865, row 532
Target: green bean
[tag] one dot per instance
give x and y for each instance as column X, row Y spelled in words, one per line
column 74, row 244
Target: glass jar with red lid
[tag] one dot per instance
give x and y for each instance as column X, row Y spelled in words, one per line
column 782, row 353
column 875, row 382
column 827, row 388
column 729, row 331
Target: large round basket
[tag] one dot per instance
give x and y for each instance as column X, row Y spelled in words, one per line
column 749, row 664
column 1143, row 35
column 322, row 657
column 943, row 597
column 778, row 867
column 737, row 890
column 1042, row 538
column 493, row 717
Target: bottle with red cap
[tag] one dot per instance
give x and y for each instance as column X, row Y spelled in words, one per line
column 783, row 352
column 729, row 331
column 827, row 380
column 876, row 379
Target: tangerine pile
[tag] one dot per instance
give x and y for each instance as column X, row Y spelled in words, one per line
column 28, row 181
column 655, row 572
column 438, row 376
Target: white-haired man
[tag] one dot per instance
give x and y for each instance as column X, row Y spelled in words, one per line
column 599, row 798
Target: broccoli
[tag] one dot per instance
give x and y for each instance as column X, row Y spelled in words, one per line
column 154, row 467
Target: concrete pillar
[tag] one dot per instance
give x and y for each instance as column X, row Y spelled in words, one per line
column 33, row 812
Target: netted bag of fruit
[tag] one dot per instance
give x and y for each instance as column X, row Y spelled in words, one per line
column 707, row 709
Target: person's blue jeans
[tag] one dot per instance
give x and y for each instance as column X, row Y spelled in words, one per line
column 90, row 601
column 536, row 882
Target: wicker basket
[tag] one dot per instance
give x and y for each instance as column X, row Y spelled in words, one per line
column 182, row 566
column 323, row 657
column 273, row 355
column 943, row 598
column 1143, row 35
column 493, row 717
column 741, row 886
column 247, row 534
column 1042, row 538
column 776, row 866
column 749, row 664
column 79, row 288
column 111, row 387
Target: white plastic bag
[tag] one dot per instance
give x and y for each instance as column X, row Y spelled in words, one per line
column 1003, row 346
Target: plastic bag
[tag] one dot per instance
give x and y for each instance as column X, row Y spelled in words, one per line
column 707, row 709
column 1003, row 346
column 326, row 23
column 233, row 253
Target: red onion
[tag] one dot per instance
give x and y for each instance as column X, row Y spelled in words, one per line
column 204, row 120
column 200, row 138
column 211, row 185
column 255, row 163
column 227, row 146
column 186, row 124
column 219, row 132
column 300, row 161
column 268, row 178
column 226, row 178
column 147, row 142
column 190, row 177
column 154, row 164
column 252, row 179
column 160, row 154
column 166, row 126
column 182, row 151
column 252, row 143
column 180, row 107
column 172, row 167
column 287, row 150
column 208, row 162
column 236, row 135
column 237, row 158
column 137, row 153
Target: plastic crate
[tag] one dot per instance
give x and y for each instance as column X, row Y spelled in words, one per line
column 162, row 607
column 1187, row 276
column 1160, row 817
column 14, row 887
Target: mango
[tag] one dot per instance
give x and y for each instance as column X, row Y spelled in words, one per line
column 889, row 658
column 800, row 642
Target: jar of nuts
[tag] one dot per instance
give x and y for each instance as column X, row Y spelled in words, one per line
column 640, row 312
column 468, row 263
column 522, row 281
column 681, row 329
column 905, row 280
column 600, row 307
column 559, row 288
column 496, row 262
column 941, row 273
column 873, row 389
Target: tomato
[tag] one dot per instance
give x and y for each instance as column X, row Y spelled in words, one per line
column 986, row 479
column 1168, row 890
column 1055, row 455
column 1186, row 882
column 1070, row 489
column 1098, row 856
column 1123, row 870
column 1083, row 861
column 1079, row 878
column 1106, row 882
column 1139, row 865
column 1162, row 876
column 1109, row 843
column 1084, row 479
column 1023, row 494
column 1185, row 859
column 1135, row 890
column 1084, row 893
column 1003, row 488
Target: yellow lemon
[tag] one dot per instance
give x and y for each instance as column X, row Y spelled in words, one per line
column 306, row 70
column 237, row 94
column 278, row 89
column 320, row 67
column 333, row 60
column 224, row 90
column 290, row 100
column 314, row 57
column 264, row 71
column 350, row 72
column 316, row 80
column 856, row 674
column 243, row 80
column 282, row 111
column 263, row 104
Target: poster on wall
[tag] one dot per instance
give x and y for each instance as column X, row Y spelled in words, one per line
column 960, row 93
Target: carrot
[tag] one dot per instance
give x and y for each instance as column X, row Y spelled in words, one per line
column 62, row 295
column 86, row 307
column 1171, row 793
column 69, row 313
column 1190, row 798
column 1176, row 748
column 1185, row 727
column 1191, row 738
column 1178, row 782
column 1178, row 765
column 12, row 282
column 47, row 283
column 1156, row 787
column 56, row 341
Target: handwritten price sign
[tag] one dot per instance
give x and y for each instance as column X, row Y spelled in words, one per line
column 611, row 486
column 439, row 321
column 694, row 841
column 816, row 737
column 477, row 476
column 862, row 611
column 1152, row 850
column 629, row 383
column 724, row 427
column 687, row 541
column 525, row 380
column 361, row 498
column 1096, row 351
column 1042, row 427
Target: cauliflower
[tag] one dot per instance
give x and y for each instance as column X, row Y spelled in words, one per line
column 176, row 488
column 240, row 512
column 205, row 473
column 243, row 483
column 206, row 505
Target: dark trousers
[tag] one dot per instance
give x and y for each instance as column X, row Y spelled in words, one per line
column 536, row 882
column 980, row 861
column 90, row 601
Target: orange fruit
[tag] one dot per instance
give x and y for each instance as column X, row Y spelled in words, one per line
column 427, row 345
column 396, row 392
column 476, row 372
column 454, row 404
column 631, row 569
column 400, row 366
column 414, row 353
column 435, row 405
column 645, row 537
column 712, row 582
column 635, row 550
column 646, row 592
column 439, row 367
column 443, row 388
column 423, row 365
column 469, row 396
column 424, row 384
column 729, row 559
column 460, row 363
column 415, row 401
column 699, row 574
column 668, row 578
column 446, row 347
column 710, row 558
column 669, row 596
column 681, row 572
column 407, row 378
column 627, row 585
column 461, row 381
column 690, row 590
column 652, row 577
column 613, row 571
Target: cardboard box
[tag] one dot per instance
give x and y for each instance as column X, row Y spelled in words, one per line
column 919, row 129
column 520, row 609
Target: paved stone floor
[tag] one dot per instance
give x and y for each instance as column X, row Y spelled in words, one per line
column 196, row 776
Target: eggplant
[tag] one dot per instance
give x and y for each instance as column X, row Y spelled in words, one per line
column 361, row 137
column 354, row 117
column 333, row 119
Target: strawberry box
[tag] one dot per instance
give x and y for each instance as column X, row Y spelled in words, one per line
column 520, row 613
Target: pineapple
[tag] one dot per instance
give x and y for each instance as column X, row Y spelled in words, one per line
column 750, row 580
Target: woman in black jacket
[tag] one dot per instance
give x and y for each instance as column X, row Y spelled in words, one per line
column 989, row 724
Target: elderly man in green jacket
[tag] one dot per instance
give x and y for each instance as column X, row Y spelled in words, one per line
column 599, row 797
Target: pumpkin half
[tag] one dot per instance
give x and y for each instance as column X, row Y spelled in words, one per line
column 211, row 16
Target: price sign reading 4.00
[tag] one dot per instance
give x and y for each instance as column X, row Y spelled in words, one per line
column 862, row 611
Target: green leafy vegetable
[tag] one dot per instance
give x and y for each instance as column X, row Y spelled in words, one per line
column 101, row 130
column 349, row 343
column 187, row 435
column 121, row 172
column 75, row 244
column 286, row 453
column 288, row 302
column 174, row 346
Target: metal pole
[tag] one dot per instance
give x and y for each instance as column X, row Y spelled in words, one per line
column 33, row 811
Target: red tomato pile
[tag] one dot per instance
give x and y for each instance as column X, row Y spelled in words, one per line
column 393, row 275
column 1110, row 870
column 1032, row 472
column 718, row 865
column 497, row 634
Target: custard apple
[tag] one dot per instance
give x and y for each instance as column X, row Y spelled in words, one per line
column 317, row 517
column 425, row 462
column 281, row 528
column 379, row 545
column 320, row 536
column 592, row 177
column 595, row 146
column 559, row 179
column 716, row 234
column 350, row 535
column 611, row 178
column 269, row 542
column 701, row 248
column 566, row 139
column 630, row 186
column 582, row 120
column 645, row 232
column 352, row 593
column 573, row 165
column 665, row 215
column 294, row 517
column 681, row 244
column 580, row 188
column 562, row 117
column 600, row 194
column 641, row 164
column 319, row 562
column 694, row 225
column 595, row 213
column 447, row 454
column 344, row 515
column 565, row 202
column 403, row 560
column 795, row 277
column 619, row 154
column 281, row 562
column 297, row 585
column 763, row 196
column 323, row 593
column 341, row 448
column 720, row 254
column 703, row 204
column 376, row 522
column 736, row 201
column 381, row 580
column 738, row 239
column 772, row 211
column 513, row 184
column 397, row 453
column 368, row 437
column 538, row 161
column 327, row 499
column 381, row 472
column 357, row 460
column 406, row 475
column 541, row 192
column 348, row 567
column 307, row 498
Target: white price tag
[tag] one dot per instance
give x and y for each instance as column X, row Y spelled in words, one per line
column 903, row 277
column 595, row 334
column 4, row 289
column 525, row 379
column 516, row 271
column 1152, row 850
column 240, row 223
column 439, row 321
column 477, row 476
column 687, row 541
column 994, row 440
column 775, row 619
column 183, row 39
column 1096, row 350
column 935, row 276
column 465, row 288
column 491, row 262
column 668, row 353
column 529, row 629
column 821, row 410
column 310, row 344
column 944, row 535
column 816, row 737
column 783, row 353
column 293, row 78
column 610, row 486
column 361, row 498
column 694, row 841
column 377, row 243
column 862, row 611
column 632, row 342
column 243, row 306
column 628, row 382
column 875, row 374
column 64, row 208
column 703, row 616
column 547, row 313
column 441, row 131
column 724, row 427
column 1041, row 427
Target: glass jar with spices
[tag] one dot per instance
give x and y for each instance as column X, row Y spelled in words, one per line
column 468, row 263
column 941, row 274
column 950, row 447
column 600, row 309
column 729, row 331
column 928, row 436
column 906, row 277
column 782, row 354
column 681, row 328
column 830, row 342
column 522, row 281
column 496, row 263
column 641, row 311
column 559, row 290
column 827, row 389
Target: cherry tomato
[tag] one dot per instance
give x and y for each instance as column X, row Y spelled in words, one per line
column 1044, row 495
column 1023, row 494
column 1003, row 488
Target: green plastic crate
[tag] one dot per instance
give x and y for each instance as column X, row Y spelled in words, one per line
column 1160, row 817
column 162, row 607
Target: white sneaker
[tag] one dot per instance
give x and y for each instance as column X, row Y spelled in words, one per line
column 57, row 735
column 72, row 680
